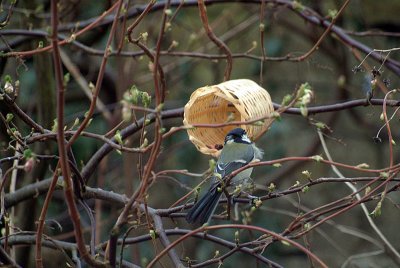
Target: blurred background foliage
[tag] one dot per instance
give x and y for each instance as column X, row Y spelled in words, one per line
column 328, row 71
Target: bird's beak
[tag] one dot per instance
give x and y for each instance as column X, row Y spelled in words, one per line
column 227, row 138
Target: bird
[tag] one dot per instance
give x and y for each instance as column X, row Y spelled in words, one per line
column 238, row 151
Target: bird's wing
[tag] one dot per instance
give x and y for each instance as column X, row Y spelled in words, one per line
column 231, row 159
column 224, row 169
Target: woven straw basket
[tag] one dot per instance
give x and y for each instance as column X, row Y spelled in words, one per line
column 236, row 100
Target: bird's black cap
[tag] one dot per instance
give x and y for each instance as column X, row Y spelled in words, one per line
column 238, row 132
column 238, row 135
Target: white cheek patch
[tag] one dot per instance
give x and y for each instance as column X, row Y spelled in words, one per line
column 229, row 141
column 246, row 139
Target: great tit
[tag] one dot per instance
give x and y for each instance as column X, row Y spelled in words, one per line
column 237, row 152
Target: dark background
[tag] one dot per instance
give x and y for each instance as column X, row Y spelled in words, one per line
column 347, row 240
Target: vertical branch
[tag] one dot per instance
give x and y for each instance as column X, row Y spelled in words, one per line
column 62, row 150
column 158, row 90
column 215, row 39
column 98, row 202
column 60, row 122
column 122, row 27
column 159, row 85
column 262, row 31
column 138, row 20
column 158, row 78
column 40, row 222
column 12, row 189
column 390, row 139
column 60, row 137
column 6, row 20
column 387, row 123
column 160, row 95
column 100, row 76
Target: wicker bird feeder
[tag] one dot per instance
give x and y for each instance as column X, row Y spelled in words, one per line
column 236, row 100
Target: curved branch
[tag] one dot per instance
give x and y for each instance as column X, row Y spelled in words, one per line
column 91, row 165
column 306, row 13
column 215, row 39
column 173, row 113
column 239, row 226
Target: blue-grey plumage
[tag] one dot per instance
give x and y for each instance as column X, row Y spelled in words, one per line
column 238, row 151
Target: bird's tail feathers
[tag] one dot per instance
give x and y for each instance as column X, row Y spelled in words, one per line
column 202, row 211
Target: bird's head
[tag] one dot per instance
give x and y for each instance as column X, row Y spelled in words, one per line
column 238, row 135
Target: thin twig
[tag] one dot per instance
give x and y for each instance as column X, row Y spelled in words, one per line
column 358, row 196
column 215, row 39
